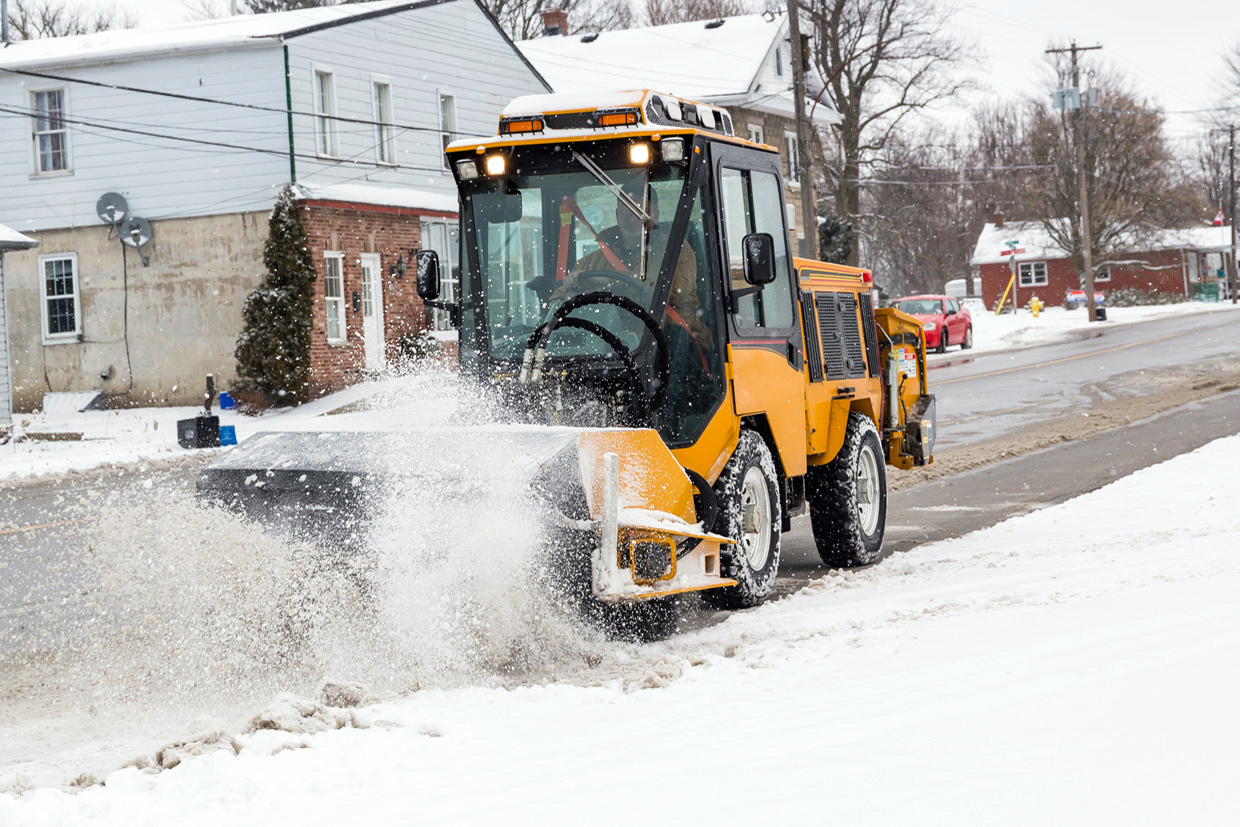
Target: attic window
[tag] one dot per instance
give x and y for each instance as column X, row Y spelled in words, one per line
column 714, row 24
column 779, row 61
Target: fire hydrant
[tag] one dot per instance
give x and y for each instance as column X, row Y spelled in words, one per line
column 1035, row 306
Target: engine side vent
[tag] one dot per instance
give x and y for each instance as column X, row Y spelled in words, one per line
column 850, row 329
column 810, row 321
column 832, row 340
column 871, row 333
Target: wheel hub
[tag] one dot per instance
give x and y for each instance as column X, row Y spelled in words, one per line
column 755, row 539
column 867, row 484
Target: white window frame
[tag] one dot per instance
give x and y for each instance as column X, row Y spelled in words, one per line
column 65, row 337
column 334, row 305
column 448, row 257
column 385, row 136
column 757, row 134
column 36, row 168
column 324, row 121
column 446, row 130
column 1031, row 268
column 792, row 148
column 779, row 62
column 1103, row 275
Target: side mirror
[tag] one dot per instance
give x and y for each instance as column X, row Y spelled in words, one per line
column 428, row 275
column 759, row 251
column 951, row 311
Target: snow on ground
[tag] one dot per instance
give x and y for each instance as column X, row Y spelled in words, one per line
column 993, row 333
column 1074, row 665
column 137, row 434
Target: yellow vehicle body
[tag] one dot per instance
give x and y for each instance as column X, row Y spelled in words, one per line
column 801, row 393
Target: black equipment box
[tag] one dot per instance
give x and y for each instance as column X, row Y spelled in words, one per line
column 202, row 431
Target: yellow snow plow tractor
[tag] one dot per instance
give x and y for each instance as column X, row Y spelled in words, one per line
column 629, row 288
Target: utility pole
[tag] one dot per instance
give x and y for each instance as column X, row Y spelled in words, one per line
column 797, row 57
column 1082, row 183
column 1231, row 167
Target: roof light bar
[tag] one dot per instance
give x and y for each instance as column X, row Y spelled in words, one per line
column 516, row 126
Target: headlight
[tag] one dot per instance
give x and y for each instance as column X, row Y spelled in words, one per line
column 639, row 153
column 496, row 164
column 930, row 326
column 673, row 149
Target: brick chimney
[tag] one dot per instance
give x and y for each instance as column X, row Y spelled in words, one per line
column 997, row 219
column 555, row 22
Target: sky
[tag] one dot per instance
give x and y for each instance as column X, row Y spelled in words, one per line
column 1172, row 52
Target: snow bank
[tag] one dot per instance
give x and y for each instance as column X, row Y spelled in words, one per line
column 1075, row 665
column 1009, row 331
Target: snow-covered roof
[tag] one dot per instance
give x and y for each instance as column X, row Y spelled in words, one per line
column 11, row 239
column 402, row 197
column 238, row 31
column 720, row 65
column 1035, row 243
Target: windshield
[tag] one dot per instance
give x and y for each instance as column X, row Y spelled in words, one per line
column 545, row 237
column 920, row 307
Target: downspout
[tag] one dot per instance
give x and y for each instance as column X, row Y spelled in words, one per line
column 288, row 102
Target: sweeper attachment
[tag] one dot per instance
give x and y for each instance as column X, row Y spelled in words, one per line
column 673, row 385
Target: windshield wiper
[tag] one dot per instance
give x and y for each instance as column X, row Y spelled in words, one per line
column 615, row 189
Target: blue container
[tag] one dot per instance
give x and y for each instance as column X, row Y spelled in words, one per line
column 228, row 434
column 226, row 402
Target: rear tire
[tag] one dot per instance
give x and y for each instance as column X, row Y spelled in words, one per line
column 748, row 495
column 968, row 339
column 848, row 499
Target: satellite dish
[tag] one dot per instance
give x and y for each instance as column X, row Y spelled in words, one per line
column 136, row 232
column 112, row 208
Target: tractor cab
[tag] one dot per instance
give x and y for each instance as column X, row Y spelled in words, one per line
column 592, row 235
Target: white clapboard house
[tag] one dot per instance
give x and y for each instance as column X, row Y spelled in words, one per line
column 198, row 128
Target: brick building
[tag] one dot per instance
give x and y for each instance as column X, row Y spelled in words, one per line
column 1174, row 261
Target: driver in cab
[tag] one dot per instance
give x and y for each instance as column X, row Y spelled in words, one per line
column 624, row 242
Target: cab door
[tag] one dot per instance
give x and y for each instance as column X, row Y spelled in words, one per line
column 764, row 335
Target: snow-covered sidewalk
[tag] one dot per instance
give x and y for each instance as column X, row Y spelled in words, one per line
column 1076, row 665
column 1009, row 331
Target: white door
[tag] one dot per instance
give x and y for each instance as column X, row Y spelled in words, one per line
column 372, row 311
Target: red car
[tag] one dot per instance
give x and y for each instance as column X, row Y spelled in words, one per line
column 945, row 321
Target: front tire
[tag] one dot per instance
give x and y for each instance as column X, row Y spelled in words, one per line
column 968, row 339
column 942, row 346
column 848, row 499
column 749, row 513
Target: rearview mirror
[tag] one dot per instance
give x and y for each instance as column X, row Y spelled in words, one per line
column 428, row 275
column 759, row 251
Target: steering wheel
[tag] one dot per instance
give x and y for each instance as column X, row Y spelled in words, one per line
column 663, row 352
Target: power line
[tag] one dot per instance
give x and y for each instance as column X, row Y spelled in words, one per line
column 201, row 142
column 220, row 102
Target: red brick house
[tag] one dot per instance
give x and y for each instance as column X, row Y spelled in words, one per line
column 1176, row 261
column 363, row 238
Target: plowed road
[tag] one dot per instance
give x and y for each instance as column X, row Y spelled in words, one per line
column 986, row 404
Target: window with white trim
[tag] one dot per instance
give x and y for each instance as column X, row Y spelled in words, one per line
column 794, row 157
column 324, row 112
column 447, row 123
column 384, row 152
column 51, row 135
column 756, row 134
column 333, row 292
column 444, row 238
column 1103, row 275
column 1032, row 273
column 779, row 62
column 62, row 303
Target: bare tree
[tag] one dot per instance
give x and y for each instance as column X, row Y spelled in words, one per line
column 196, row 10
column 1133, row 183
column 1209, row 169
column 522, row 19
column 661, row 12
column 882, row 60
column 34, row 19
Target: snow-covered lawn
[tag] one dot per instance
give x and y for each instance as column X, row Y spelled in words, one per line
column 1054, row 324
column 1075, row 665
column 136, row 434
